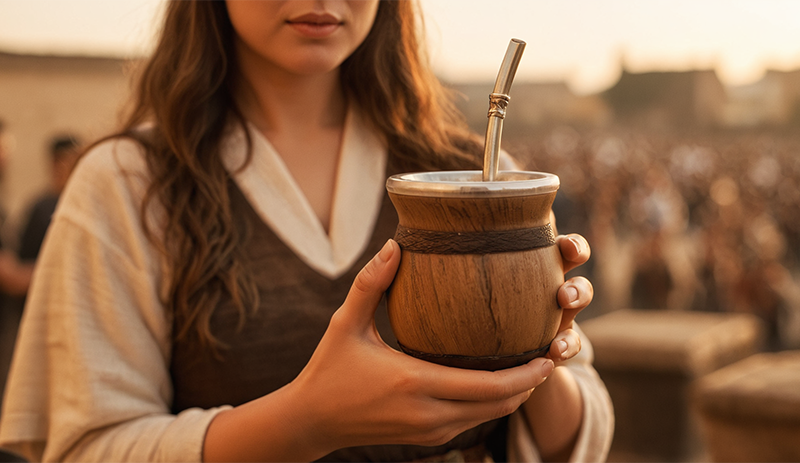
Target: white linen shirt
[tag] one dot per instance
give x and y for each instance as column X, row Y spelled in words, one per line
column 90, row 378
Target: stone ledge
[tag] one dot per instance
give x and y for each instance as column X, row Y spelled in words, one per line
column 693, row 343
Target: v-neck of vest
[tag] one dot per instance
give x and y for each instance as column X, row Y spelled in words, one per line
column 277, row 199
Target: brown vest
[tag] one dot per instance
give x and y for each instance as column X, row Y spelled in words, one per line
column 277, row 341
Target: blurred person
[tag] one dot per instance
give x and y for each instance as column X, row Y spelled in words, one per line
column 766, row 287
column 208, row 289
column 16, row 269
column 613, row 247
column 5, row 152
column 665, row 265
column 14, row 278
column 14, row 275
column 64, row 152
column 787, row 286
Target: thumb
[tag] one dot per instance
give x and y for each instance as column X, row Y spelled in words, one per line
column 370, row 284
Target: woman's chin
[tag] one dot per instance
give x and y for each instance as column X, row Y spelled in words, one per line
column 313, row 59
column 314, row 67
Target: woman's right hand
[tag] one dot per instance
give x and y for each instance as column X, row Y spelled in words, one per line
column 356, row 390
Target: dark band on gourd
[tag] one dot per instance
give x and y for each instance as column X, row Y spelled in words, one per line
column 439, row 242
column 489, row 362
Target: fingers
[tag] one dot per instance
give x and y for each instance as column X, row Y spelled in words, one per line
column 468, row 397
column 575, row 293
column 566, row 345
column 573, row 296
column 458, row 416
column 575, row 250
column 439, row 421
column 471, row 385
column 370, row 284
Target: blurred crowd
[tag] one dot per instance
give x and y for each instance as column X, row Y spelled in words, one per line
column 705, row 221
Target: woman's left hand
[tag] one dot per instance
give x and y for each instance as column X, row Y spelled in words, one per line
column 554, row 412
column 573, row 296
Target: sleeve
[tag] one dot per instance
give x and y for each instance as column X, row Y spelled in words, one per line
column 597, row 430
column 90, row 379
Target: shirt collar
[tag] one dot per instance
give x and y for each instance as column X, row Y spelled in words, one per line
column 272, row 191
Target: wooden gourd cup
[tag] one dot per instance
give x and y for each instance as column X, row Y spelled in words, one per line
column 477, row 282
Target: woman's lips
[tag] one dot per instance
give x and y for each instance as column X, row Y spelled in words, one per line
column 315, row 25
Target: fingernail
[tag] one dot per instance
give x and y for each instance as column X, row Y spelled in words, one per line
column 578, row 244
column 562, row 346
column 386, row 251
column 572, row 294
column 547, row 368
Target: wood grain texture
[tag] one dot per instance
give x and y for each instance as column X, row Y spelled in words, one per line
column 473, row 214
column 476, row 304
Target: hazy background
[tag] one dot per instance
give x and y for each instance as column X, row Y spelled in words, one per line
column 580, row 41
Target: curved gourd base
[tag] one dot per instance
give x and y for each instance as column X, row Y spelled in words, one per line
column 488, row 363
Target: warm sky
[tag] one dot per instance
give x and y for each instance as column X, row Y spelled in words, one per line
column 580, row 41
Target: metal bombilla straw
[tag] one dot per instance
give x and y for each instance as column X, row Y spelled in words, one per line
column 498, row 101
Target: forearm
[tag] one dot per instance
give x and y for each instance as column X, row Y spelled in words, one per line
column 271, row 428
column 554, row 413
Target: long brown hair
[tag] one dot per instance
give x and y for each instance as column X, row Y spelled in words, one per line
column 184, row 95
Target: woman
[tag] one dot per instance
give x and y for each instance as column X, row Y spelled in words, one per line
column 185, row 300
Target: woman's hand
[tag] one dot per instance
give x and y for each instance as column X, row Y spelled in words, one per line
column 356, row 390
column 573, row 296
column 367, row 393
column 554, row 412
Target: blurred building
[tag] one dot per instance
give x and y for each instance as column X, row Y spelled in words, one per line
column 773, row 101
column 532, row 104
column 44, row 95
column 668, row 99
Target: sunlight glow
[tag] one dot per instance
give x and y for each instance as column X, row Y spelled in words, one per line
column 584, row 42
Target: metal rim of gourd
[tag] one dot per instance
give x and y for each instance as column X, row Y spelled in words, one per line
column 470, row 184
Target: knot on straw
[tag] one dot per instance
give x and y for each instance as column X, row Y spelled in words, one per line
column 498, row 102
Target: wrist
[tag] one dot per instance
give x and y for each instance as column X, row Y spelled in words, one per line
column 275, row 427
column 554, row 413
column 305, row 422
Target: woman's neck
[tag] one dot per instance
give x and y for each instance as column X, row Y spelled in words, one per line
column 278, row 102
column 303, row 118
